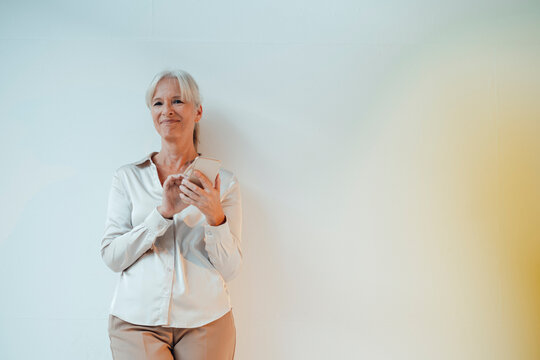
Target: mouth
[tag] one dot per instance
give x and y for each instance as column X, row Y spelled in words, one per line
column 169, row 121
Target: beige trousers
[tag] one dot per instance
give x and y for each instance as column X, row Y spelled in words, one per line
column 213, row 341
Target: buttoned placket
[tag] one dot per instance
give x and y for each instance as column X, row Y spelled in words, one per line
column 164, row 315
column 170, row 270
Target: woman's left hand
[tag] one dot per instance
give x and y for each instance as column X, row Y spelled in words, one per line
column 206, row 199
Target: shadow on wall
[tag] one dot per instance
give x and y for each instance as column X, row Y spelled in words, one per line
column 262, row 280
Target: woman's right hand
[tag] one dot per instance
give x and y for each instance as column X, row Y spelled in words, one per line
column 171, row 202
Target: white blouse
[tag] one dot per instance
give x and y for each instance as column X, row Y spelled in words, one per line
column 173, row 273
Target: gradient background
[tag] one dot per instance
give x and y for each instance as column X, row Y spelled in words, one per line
column 388, row 154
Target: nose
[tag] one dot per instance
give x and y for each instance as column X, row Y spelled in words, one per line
column 167, row 109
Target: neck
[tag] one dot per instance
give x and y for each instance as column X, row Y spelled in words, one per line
column 175, row 155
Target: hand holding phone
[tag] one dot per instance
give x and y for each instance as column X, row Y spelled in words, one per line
column 193, row 192
column 208, row 166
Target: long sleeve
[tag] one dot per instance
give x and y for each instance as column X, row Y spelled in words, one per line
column 123, row 244
column 223, row 242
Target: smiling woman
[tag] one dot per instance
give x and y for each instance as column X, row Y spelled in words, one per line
column 175, row 244
column 170, row 83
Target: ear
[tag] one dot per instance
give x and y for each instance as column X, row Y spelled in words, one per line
column 199, row 114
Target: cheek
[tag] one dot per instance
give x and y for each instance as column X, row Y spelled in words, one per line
column 155, row 118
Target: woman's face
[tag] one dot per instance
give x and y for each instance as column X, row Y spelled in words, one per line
column 173, row 119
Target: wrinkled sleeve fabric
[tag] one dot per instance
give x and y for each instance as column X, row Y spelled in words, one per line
column 223, row 242
column 122, row 244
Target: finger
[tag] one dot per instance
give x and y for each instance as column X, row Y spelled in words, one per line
column 204, row 180
column 188, row 192
column 193, row 187
column 186, row 199
column 173, row 177
column 168, row 181
column 177, row 179
column 218, row 182
column 189, row 200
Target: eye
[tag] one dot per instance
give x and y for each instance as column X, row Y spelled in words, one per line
column 177, row 101
column 157, row 103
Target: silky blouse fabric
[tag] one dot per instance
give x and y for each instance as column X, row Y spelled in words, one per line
column 172, row 272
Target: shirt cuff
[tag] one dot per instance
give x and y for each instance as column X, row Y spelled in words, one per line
column 215, row 232
column 157, row 223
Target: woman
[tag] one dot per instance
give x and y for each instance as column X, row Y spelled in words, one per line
column 175, row 245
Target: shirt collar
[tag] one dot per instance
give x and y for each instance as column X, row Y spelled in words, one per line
column 147, row 158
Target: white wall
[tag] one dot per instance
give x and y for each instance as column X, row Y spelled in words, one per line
column 387, row 152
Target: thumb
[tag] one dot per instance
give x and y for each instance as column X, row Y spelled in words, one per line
column 218, row 182
column 170, row 180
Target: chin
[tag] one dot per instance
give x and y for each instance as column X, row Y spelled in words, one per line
column 172, row 136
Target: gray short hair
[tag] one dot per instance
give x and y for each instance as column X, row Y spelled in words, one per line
column 189, row 92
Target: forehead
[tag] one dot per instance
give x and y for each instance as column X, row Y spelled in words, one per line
column 167, row 87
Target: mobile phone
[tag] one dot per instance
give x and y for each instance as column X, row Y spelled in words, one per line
column 208, row 166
